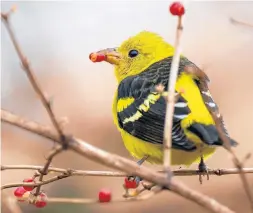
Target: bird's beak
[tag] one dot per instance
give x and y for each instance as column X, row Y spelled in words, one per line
column 109, row 55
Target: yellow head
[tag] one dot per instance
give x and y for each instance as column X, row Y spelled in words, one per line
column 137, row 53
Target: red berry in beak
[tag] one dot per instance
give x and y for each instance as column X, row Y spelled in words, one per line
column 94, row 57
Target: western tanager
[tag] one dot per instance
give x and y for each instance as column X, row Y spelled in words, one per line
column 141, row 63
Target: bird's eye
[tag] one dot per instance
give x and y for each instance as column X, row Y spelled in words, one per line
column 133, row 53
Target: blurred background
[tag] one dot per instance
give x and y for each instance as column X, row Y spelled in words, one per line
column 58, row 36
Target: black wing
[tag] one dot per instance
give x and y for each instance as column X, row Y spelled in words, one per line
column 144, row 118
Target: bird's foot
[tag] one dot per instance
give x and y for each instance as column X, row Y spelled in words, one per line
column 139, row 162
column 132, row 182
column 203, row 170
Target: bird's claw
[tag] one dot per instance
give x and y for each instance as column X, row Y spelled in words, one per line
column 203, row 170
column 139, row 162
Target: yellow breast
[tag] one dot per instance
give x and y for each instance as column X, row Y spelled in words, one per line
column 139, row 148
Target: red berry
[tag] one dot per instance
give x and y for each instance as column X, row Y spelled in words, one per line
column 19, row 192
column 41, row 200
column 95, row 57
column 177, row 9
column 131, row 184
column 104, row 195
column 28, row 180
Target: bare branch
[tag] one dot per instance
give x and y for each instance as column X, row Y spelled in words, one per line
column 171, row 98
column 70, row 172
column 77, row 200
column 234, row 21
column 73, row 172
column 43, row 171
column 60, row 170
column 37, row 184
column 119, row 163
column 95, row 201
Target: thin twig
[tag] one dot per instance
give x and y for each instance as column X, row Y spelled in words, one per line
column 117, row 162
column 95, row 201
column 171, row 99
column 137, row 197
column 234, row 21
column 60, row 170
column 78, row 200
column 70, row 172
column 43, row 171
column 38, row 183
column 178, row 172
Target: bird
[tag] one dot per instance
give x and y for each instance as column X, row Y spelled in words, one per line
column 142, row 64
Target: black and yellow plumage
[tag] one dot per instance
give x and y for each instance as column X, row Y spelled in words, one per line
column 139, row 110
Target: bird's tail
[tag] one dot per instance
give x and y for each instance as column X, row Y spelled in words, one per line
column 209, row 134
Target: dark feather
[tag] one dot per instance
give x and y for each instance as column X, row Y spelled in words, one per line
column 149, row 127
column 209, row 133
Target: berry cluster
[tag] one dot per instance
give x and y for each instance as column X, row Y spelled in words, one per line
column 23, row 193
